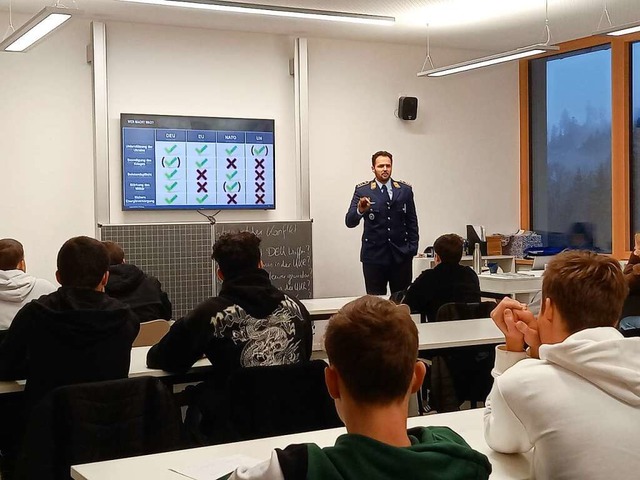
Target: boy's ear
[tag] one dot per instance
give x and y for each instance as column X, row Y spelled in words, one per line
column 419, row 371
column 331, row 380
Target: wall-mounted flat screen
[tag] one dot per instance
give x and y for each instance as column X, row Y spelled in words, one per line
column 177, row 162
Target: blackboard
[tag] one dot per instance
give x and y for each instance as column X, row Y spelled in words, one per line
column 286, row 252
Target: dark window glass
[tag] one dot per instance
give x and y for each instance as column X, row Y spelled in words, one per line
column 571, row 149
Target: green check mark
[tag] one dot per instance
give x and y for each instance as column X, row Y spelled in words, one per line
column 200, row 150
column 169, row 150
column 172, row 162
column 202, row 199
column 171, row 175
column 171, row 200
column 231, row 150
column 202, row 163
column 171, row 187
column 260, row 150
column 232, row 187
column 231, row 175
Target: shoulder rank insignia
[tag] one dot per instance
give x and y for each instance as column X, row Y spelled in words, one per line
column 373, row 185
column 366, row 182
column 402, row 182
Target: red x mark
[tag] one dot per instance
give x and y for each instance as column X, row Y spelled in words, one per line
column 231, row 198
column 260, row 198
column 202, row 187
column 260, row 187
column 231, row 163
column 260, row 176
column 260, row 163
column 202, row 174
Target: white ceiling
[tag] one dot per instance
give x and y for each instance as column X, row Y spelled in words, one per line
column 486, row 25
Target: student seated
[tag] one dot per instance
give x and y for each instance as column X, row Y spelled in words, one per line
column 447, row 282
column 574, row 395
column 130, row 285
column 17, row 288
column 249, row 324
column 372, row 346
column 75, row 334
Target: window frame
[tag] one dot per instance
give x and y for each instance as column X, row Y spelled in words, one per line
column 620, row 135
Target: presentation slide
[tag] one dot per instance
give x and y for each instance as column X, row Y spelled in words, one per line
column 176, row 162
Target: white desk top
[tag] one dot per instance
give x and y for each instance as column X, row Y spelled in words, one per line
column 511, row 283
column 458, row 333
column 138, row 368
column 326, row 306
column 468, row 423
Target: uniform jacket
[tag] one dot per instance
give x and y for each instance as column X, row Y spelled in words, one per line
column 436, row 453
column 390, row 226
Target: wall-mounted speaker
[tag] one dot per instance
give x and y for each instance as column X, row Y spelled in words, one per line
column 407, row 108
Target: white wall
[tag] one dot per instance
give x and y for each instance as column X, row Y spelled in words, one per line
column 47, row 145
column 461, row 154
column 181, row 71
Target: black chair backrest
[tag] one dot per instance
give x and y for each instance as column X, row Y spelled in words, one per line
column 99, row 421
column 279, row 400
column 464, row 311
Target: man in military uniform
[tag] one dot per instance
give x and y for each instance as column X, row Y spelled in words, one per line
column 390, row 237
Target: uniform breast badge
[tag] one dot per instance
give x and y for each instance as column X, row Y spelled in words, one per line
column 372, row 216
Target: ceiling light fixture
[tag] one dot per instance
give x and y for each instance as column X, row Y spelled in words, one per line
column 36, row 28
column 273, row 10
column 615, row 31
column 516, row 54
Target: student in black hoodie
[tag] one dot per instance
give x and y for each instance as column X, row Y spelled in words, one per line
column 142, row 292
column 76, row 334
column 447, row 282
column 251, row 323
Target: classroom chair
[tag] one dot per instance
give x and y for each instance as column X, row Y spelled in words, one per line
column 465, row 373
column 151, row 332
column 98, row 421
column 268, row 401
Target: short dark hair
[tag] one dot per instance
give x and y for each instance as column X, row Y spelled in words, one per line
column 11, row 254
column 373, row 344
column 82, row 262
column 587, row 289
column 449, row 248
column 115, row 251
column 380, row 153
column 236, row 253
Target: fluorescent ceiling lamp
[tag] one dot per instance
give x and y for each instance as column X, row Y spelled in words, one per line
column 36, row 28
column 621, row 30
column 490, row 60
column 278, row 11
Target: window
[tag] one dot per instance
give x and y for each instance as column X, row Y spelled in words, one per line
column 570, row 149
column 635, row 139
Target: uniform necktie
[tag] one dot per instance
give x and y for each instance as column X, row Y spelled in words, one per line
column 383, row 189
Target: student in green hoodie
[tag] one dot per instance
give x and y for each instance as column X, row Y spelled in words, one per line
column 372, row 346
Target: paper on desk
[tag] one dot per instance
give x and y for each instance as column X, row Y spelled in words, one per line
column 215, row 469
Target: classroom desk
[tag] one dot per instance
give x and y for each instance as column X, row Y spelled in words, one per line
column 138, row 368
column 468, row 423
column 325, row 307
column 521, row 286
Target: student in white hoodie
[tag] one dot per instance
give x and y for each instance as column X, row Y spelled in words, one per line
column 17, row 288
column 574, row 395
